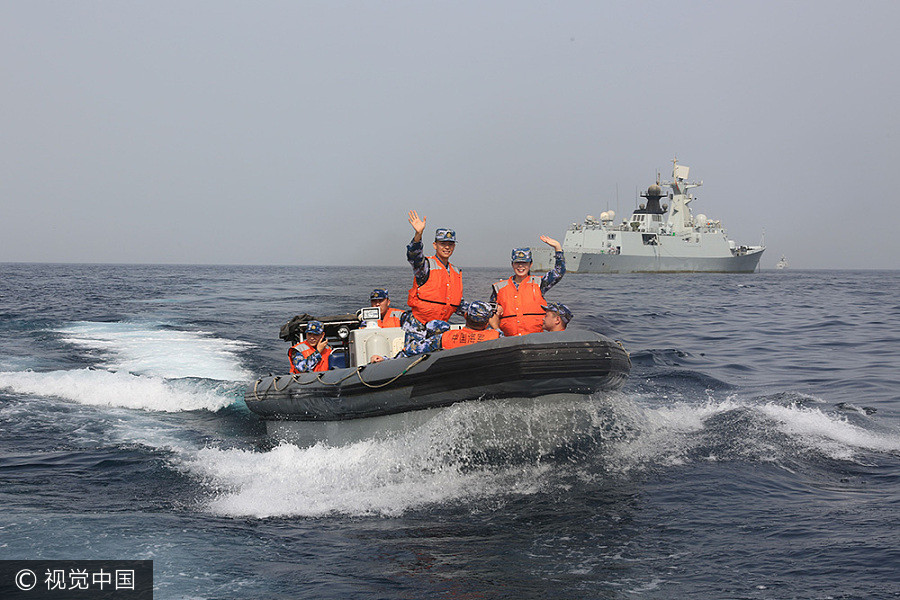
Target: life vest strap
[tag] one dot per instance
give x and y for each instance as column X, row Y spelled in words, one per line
column 435, row 301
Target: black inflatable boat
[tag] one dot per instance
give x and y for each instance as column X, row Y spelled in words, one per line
column 531, row 366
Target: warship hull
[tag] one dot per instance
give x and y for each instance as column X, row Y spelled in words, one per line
column 596, row 262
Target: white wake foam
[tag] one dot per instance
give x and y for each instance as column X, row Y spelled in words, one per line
column 470, row 451
column 373, row 477
column 672, row 435
column 493, row 450
column 833, row 435
column 152, row 350
column 105, row 388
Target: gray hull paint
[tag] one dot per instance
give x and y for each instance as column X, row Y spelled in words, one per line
column 587, row 262
column 527, row 423
column 611, row 263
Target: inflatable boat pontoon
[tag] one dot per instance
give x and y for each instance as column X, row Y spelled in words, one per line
column 530, row 366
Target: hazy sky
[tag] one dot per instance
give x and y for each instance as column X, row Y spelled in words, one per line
column 302, row 132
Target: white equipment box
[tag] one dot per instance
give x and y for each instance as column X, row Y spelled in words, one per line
column 371, row 340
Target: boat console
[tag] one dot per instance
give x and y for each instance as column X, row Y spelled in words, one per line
column 354, row 338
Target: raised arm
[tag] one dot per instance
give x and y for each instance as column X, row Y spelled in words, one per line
column 553, row 276
column 415, row 254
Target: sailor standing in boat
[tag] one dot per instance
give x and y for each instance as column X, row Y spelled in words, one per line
column 520, row 298
column 437, row 288
column 313, row 352
column 476, row 330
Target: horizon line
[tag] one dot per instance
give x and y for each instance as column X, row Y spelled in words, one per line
column 175, row 264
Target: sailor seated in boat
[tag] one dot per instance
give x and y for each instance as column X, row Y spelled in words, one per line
column 476, row 330
column 521, row 297
column 556, row 316
column 313, row 353
column 390, row 317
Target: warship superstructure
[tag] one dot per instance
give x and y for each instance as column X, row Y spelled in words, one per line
column 658, row 238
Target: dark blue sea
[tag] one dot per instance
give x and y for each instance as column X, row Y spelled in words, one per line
column 754, row 452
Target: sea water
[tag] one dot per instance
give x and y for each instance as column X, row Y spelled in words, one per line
column 753, row 453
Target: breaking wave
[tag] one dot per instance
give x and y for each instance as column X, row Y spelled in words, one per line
column 151, row 349
column 498, row 450
column 106, row 388
column 140, row 366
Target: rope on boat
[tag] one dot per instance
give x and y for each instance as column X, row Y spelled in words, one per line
column 338, row 382
column 318, row 378
column 401, row 374
column 273, row 383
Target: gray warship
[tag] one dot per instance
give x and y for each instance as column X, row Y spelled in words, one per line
column 658, row 238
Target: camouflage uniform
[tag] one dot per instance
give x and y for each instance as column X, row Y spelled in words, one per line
column 478, row 312
column 305, row 365
column 417, row 343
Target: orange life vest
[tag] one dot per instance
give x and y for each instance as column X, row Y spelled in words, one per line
column 391, row 319
column 522, row 312
column 306, row 351
column 465, row 336
column 440, row 296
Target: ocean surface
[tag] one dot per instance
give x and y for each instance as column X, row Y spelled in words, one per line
column 754, row 452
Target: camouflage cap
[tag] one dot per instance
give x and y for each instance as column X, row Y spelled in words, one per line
column 379, row 294
column 315, row 328
column 445, row 235
column 479, row 311
column 521, row 255
column 561, row 309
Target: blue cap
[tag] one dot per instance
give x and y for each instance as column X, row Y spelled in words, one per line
column 378, row 294
column 315, row 328
column 445, row 235
column 561, row 309
column 521, row 255
column 479, row 311
column 437, row 326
